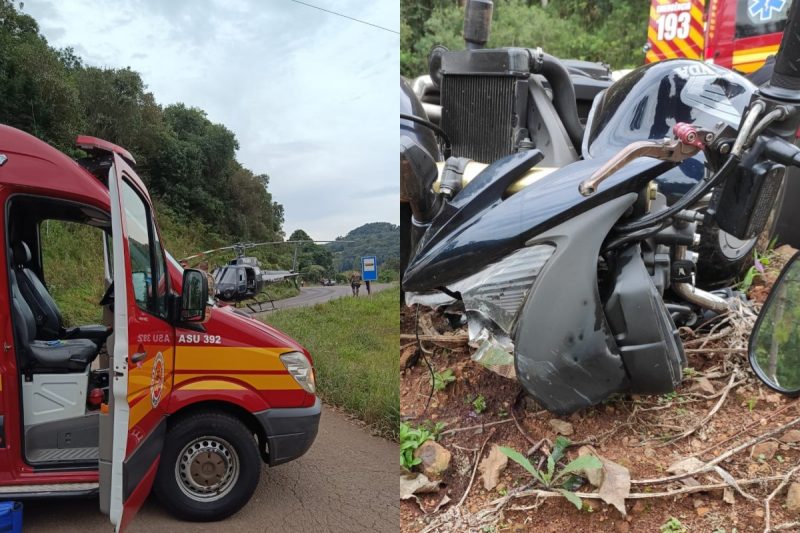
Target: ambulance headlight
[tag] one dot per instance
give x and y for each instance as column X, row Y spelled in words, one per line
column 300, row 369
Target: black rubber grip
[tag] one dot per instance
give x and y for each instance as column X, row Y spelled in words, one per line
column 787, row 63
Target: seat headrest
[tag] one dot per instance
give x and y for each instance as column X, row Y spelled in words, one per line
column 22, row 254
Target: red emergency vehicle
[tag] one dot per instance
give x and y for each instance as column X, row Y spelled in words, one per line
column 737, row 34
column 170, row 392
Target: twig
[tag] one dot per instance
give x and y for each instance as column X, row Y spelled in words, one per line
column 708, row 417
column 711, row 464
column 479, row 426
column 785, row 481
column 744, row 430
column 474, row 469
column 519, row 426
column 638, row 495
column 716, row 350
column 446, row 339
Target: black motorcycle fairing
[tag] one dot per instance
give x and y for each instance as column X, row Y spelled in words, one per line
column 565, row 353
column 649, row 101
column 480, row 194
column 647, row 338
column 474, row 232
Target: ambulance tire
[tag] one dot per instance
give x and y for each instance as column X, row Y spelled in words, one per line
column 228, row 442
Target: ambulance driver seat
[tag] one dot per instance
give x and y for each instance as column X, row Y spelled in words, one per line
column 40, row 356
column 47, row 317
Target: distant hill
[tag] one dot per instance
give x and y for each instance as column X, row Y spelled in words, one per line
column 380, row 239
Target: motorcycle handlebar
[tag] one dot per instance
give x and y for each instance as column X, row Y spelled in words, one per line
column 787, row 63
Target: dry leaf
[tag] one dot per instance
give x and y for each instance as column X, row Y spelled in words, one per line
column 616, row 485
column 613, row 479
column 492, row 466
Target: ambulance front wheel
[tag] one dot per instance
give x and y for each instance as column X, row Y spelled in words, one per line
column 209, row 467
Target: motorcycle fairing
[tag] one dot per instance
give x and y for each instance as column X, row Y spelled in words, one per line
column 565, row 353
column 480, row 227
column 647, row 338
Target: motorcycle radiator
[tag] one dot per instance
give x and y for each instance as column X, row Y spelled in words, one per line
column 477, row 111
column 484, row 95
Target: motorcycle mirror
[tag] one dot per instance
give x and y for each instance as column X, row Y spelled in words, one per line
column 774, row 350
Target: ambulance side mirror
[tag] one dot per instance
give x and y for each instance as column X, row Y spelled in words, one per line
column 194, row 296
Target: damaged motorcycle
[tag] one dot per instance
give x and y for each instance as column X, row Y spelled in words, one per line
column 492, row 102
column 566, row 268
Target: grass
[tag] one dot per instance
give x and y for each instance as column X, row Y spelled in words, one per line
column 282, row 289
column 73, row 268
column 354, row 345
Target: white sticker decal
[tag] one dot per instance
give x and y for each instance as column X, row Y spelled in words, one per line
column 197, row 338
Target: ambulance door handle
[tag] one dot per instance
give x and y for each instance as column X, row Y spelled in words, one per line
column 138, row 357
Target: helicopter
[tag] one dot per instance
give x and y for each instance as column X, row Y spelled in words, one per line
column 242, row 281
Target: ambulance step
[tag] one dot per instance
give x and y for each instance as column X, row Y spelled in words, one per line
column 52, row 455
column 48, row 490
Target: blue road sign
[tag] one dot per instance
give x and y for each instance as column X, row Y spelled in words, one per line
column 369, row 268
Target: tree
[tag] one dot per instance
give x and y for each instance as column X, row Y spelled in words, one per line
column 187, row 161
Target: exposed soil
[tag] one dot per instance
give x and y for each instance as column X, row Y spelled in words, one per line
column 633, row 431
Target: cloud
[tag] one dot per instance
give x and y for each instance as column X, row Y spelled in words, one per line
column 311, row 97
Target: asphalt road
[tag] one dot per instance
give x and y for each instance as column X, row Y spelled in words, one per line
column 318, row 294
column 346, row 482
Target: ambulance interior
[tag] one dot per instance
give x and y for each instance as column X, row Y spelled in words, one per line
column 63, row 376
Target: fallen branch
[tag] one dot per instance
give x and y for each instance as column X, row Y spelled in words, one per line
column 710, row 414
column 519, row 426
column 747, row 428
column 474, row 469
column 716, row 350
column 711, row 464
column 785, row 481
column 479, row 426
column 541, row 493
column 458, row 340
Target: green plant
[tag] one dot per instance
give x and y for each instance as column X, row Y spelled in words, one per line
column 759, row 262
column 479, row 404
column 751, row 403
column 550, row 478
column 673, row 525
column 668, row 397
column 441, row 380
column 412, row 438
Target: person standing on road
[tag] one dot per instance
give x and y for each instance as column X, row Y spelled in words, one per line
column 355, row 282
column 366, row 284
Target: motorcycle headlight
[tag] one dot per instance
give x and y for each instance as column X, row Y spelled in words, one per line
column 300, row 369
column 499, row 290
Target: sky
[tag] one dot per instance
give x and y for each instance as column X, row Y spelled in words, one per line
column 312, row 97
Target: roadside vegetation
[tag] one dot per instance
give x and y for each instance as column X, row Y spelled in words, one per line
column 611, row 31
column 354, row 344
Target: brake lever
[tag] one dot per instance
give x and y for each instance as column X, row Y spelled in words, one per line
column 687, row 143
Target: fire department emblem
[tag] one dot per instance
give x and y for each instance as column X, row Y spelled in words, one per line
column 157, row 380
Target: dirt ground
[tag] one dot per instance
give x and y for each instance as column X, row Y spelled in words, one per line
column 719, row 406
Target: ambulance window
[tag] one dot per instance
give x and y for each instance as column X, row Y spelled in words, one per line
column 760, row 17
column 72, row 266
column 147, row 259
